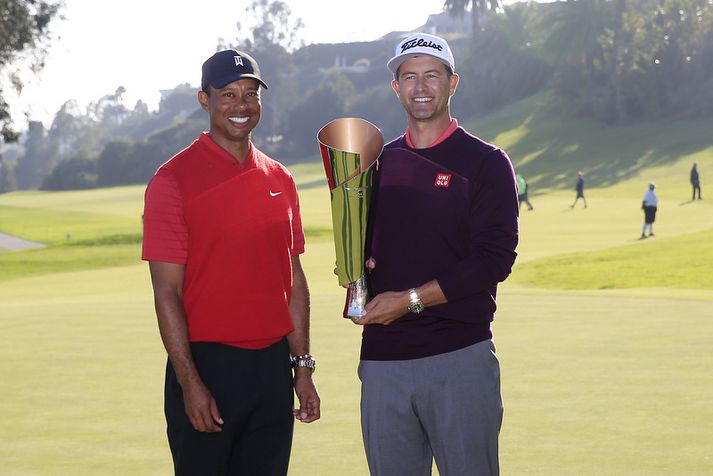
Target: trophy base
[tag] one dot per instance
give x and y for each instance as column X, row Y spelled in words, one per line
column 357, row 296
column 354, row 313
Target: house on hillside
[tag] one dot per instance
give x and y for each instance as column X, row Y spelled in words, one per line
column 361, row 65
column 442, row 24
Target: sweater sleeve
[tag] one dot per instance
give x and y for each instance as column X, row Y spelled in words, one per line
column 492, row 231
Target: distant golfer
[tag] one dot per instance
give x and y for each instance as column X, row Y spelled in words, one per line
column 649, row 206
column 579, row 187
column 695, row 181
column 522, row 192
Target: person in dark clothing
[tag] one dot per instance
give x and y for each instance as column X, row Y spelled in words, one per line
column 442, row 233
column 579, row 187
column 695, row 181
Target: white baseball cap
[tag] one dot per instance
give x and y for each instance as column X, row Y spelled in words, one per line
column 420, row 44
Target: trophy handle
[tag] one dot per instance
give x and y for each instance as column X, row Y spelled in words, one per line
column 357, row 297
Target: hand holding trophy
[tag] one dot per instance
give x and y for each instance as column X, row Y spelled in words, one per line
column 349, row 147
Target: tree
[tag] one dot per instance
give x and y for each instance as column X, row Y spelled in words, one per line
column 180, row 102
column 502, row 66
column 329, row 100
column 270, row 23
column 24, row 26
column 7, row 177
column 270, row 32
column 670, row 67
column 76, row 173
column 620, row 60
column 72, row 132
column 34, row 163
column 479, row 10
column 109, row 111
column 578, row 44
column 115, row 164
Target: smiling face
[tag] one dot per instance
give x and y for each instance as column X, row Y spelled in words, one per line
column 424, row 88
column 234, row 112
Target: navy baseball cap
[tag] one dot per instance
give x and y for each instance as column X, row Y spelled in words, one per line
column 227, row 66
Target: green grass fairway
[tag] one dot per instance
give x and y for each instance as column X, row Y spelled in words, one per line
column 126, row 202
column 56, row 226
column 679, row 262
column 605, row 340
column 605, row 385
column 593, row 384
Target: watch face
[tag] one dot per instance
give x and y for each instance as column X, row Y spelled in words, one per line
column 416, row 307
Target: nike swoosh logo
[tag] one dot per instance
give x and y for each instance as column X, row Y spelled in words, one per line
column 274, row 194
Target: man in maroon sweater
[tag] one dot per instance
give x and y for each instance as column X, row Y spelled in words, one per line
column 442, row 234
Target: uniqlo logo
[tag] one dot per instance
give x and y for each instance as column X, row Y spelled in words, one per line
column 443, row 180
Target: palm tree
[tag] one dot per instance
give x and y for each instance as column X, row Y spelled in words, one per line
column 575, row 44
column 576, row 28
column 478, row 10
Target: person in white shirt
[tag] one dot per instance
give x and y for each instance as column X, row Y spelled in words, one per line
column 649, row 206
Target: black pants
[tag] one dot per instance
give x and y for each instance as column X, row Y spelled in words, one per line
column 254, row 393
column 696, row 187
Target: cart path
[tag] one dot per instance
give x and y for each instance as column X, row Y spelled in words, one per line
column 14, row 243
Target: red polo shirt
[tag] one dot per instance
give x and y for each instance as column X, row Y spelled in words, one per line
column 235, row 227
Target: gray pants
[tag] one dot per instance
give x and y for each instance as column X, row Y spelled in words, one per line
column 446, row 406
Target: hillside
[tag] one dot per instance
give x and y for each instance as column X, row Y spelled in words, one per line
column 548, row 145
column 99, row 228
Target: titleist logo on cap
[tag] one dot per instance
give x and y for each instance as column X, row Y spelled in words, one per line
column 419, row 42
column 422, row 44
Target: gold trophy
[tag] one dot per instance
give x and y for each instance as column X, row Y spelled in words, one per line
column 349, row 147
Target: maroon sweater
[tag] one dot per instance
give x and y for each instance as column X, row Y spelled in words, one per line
column 450, row 213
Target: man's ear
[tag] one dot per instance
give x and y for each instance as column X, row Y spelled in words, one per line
column 454, row 83
column 396, row 88
column 203, row 100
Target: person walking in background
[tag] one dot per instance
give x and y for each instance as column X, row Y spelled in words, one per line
column 223, row 235
column 649, row 205
column 442, row 234
column 579, row 187
column 695, row 181
column 522, row 192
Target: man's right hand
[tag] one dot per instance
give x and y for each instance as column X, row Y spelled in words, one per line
column 201, row 408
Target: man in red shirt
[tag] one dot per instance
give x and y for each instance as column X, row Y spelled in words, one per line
column 223, row 235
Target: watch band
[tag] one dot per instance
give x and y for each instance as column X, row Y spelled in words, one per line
column 304, row 361
column 415, row 304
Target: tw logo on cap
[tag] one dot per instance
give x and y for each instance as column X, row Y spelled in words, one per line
column 238, row 60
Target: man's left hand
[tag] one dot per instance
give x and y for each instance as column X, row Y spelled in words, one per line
column 385, row 308
column 307, row 395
